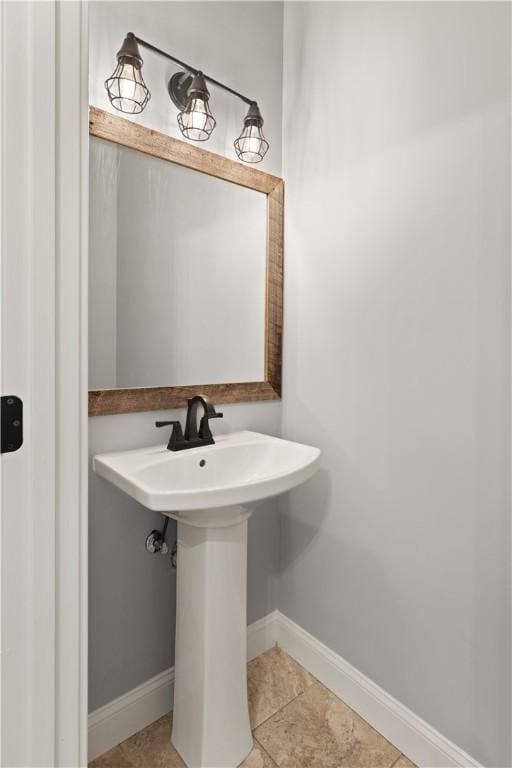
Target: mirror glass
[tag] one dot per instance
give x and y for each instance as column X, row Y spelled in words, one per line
column 177, row 263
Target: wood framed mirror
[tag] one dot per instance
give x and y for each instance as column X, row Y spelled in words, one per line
column 164, row 307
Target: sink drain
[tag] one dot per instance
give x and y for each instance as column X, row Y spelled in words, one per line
column 202, row 462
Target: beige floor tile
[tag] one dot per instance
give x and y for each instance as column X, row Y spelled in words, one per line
column 403, row 762
column 114, row 758
column 299, row 723
column 273, row 680
column 258, row 758
column 317, row 730
column 152, row 748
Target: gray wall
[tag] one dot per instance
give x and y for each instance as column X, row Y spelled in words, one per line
column 397, row 339
column 132, row 594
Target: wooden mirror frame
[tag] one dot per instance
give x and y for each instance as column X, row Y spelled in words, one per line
column 105, row 125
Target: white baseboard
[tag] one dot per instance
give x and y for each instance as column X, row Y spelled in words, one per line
column 121, row 718
column 414, row 737
column 262, row 635
column 425, row 746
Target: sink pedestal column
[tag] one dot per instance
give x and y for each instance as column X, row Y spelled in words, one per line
column 211, row 726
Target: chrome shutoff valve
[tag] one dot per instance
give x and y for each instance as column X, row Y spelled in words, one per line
column 155, row 543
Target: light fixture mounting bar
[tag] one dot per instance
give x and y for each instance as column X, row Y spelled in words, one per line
column 190, row 69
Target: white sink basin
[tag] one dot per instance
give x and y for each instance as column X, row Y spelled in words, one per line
column 240, row 468
column 210, row 491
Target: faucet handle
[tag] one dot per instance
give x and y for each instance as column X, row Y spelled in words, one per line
column 176, row 434
column 204, row 427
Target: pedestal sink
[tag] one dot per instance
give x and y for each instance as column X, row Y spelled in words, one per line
column 211, row 492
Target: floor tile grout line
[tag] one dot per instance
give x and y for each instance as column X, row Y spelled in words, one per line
column 354, row 712
column 301, row 693
column 330, row 693
column 278, row 711
column 260, row 745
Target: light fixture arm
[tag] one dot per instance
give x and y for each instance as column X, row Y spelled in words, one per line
column 188, row 68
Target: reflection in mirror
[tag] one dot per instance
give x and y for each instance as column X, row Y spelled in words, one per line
column 176, row 276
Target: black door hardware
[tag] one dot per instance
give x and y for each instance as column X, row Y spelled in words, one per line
column 12, row 423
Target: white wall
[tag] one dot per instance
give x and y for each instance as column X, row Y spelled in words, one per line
column 132, row 593
column 397, row 337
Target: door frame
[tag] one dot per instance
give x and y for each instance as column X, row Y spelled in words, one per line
column 43, row 338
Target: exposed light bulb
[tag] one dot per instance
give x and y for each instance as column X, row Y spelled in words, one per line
column 126, row 88
column 251, row 146
column 196, row 121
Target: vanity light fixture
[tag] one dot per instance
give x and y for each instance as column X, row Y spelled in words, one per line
column 129, row 93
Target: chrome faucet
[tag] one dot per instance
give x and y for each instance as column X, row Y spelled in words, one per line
column 193, row 437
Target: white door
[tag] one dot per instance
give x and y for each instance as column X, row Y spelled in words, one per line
column 43, row 493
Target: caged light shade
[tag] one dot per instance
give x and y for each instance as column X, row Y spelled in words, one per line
column 196, row 121
column 251, row 146
column 126, row 88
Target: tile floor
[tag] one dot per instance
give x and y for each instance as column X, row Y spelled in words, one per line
column 296, row 721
